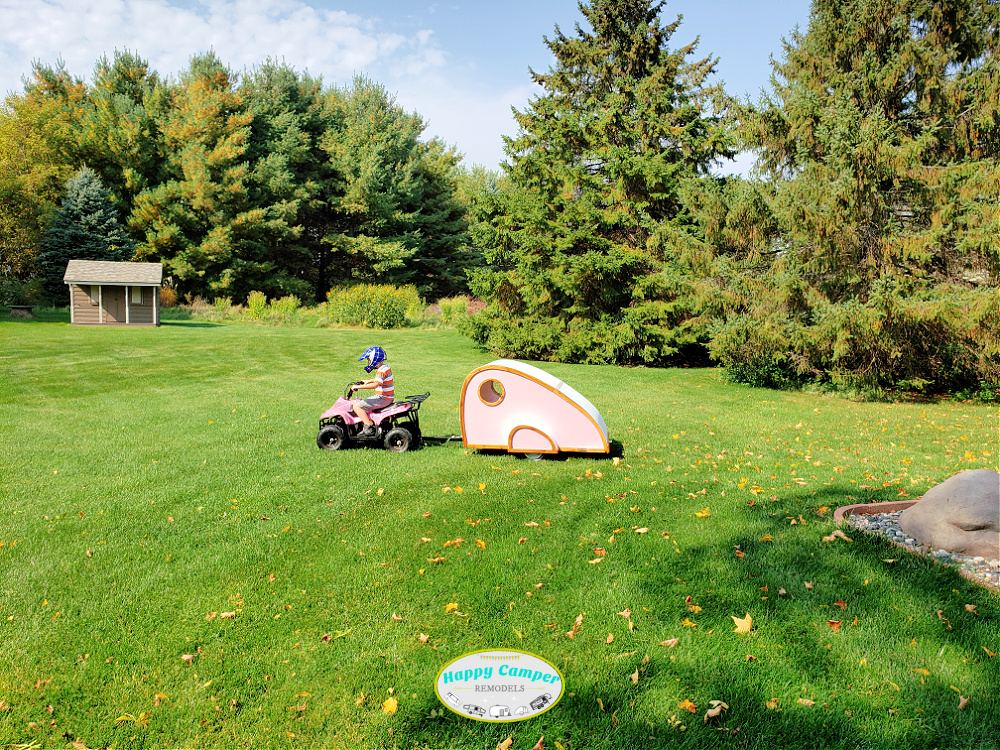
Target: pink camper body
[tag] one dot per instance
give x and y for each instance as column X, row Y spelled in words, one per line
column 508, row 405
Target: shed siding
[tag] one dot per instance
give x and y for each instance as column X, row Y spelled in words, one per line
column 142, row 314
column 85, row 312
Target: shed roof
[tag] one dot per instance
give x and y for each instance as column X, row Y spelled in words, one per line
column 112, row 272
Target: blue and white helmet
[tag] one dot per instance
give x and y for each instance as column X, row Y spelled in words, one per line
column 375, row 356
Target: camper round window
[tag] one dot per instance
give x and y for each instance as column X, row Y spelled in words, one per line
column 491, row 392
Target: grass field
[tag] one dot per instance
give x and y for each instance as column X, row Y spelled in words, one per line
column 180, row 565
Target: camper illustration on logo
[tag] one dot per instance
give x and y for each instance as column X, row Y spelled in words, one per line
column 541, row 702
column 498, row 711
column 474, row 710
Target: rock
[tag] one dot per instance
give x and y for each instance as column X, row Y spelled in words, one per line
column 961, row 515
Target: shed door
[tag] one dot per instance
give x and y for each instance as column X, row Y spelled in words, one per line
column 114, row 304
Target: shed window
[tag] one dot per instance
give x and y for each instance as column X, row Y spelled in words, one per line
column 95, row 294
column 137, row 295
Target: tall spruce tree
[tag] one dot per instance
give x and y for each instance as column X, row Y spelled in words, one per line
column 881, row 143
column 589, row 247
column 85, row 227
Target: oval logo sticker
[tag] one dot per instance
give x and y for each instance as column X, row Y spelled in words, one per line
column 501, row 685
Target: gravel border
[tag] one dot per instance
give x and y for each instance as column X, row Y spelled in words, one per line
column 979, row 569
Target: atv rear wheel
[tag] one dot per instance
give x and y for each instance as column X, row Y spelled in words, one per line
column 331, row 438
column 399, row 440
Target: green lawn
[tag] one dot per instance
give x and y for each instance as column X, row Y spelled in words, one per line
column 154, row 480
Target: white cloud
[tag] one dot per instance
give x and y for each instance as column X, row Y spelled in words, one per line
column 243, row 33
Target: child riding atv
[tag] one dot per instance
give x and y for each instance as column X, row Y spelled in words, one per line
column 381, row 383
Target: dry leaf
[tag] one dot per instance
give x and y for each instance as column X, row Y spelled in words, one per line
column 626, row 613
column 717, row 707
column 962, row 700
column 669, row 643
column 809, row 584
column 423, row 637
column 834, row 625
column 688, row 624
column 643, row 530
column 742, row 626
column 703, row 513
column 595, row 560
column 610, row 638
column 687, row 705
column 390, row 705
column 158, row 698
column 505, row 745
column 971, row 608
column 806, row 702
column 840, row 603
column 395, row 617
column 227, row 615
column 772, row 704
column 189, row 658
column 539, row 745
column 531, row 524
column 449, row 607
column 781, row 591
column 837, row 534
column 600, row 703
column 481, row 544
column 692, row 607
column 751, row 657
column 635, row 676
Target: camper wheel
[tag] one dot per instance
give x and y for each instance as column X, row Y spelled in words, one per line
column 399, row 440
column 532, row 456
column 331, row 438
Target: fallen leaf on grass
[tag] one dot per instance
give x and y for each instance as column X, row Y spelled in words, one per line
column 767, row 538
column 717, row 707
column 670, row 642
column 435, row 559
column 989, row 653
column 389, row 705
column 539, row 745
column 924, row 672
column 423, row 637
column 971, row 608
column 227, row 615
column 449, row 607
column 635, row 676
column 626, row 613
column 395, row 617
column 687, row 705
column 835, row 625
column 610, row 638
column 751, row 657
column 772, row 704
column 692, row 607
column 703, row 513
column 806, row 702
column 809, row 584
column 189, row 658
column 505, row 745
column 481, row 544
column 840, row 603
column 600, row 703
column 837, row 534
column 742, row 626
column 158, row 698
column 595, row 560
column 962, row 700
column 688, row 624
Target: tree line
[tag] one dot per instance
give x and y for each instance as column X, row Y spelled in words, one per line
column 268, row 182
column 862, row 253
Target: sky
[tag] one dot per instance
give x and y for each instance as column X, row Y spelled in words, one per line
column 461, row 65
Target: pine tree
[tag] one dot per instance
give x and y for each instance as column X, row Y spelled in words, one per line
column 85, row 227
column 881, row 143
column 589, row 246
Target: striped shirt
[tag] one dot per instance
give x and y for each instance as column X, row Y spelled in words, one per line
column 383, row 376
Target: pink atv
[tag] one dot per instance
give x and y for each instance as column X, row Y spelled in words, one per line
column 397, row 426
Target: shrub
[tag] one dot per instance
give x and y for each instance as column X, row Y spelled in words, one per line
column 283, row 310
column 168, row 296
column 256, row 305
column 453, row 308
column 373, row 305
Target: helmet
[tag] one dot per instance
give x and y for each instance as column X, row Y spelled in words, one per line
column 375, row 356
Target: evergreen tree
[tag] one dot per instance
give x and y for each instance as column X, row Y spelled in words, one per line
column 881, row 143
column 85, row 227
column 590, row 248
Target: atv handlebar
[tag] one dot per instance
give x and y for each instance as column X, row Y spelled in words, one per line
column 350, row 388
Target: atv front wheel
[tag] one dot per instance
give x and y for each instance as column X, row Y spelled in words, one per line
column 399, row 440
column 331, row 438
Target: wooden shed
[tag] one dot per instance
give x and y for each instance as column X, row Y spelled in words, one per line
column 105, row 292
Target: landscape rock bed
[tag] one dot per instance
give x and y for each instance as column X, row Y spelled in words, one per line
column 978, row 569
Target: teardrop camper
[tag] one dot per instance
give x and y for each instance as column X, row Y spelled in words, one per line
column 520, row 408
